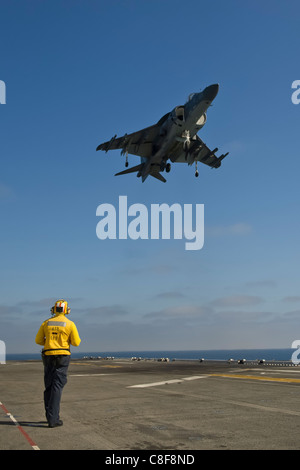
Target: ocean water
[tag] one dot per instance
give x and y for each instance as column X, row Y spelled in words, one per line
column 217, row 354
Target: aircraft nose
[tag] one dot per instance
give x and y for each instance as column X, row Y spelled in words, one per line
column 211, row 92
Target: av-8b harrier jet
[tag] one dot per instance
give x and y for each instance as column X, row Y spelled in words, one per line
column 173, row 138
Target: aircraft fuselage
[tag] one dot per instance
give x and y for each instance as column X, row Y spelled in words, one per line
column 182, row 124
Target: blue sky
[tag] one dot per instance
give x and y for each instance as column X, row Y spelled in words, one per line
column 78, row 72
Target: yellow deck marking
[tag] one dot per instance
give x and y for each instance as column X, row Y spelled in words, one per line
column 94, row 364
column 111, row 367
column 256, row 377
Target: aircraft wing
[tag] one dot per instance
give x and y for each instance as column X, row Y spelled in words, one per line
column 197, row 150
column 138, row 143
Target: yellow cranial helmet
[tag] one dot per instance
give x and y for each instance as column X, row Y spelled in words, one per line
column 61, row 306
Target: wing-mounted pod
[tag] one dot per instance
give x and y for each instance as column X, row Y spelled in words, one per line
column 107, row 145
column 219, row 159
column 125, row 145
column 110, row 143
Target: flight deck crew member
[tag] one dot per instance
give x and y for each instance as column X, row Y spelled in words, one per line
column 56, row 335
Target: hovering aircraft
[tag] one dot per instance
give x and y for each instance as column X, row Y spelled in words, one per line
column 174, row 138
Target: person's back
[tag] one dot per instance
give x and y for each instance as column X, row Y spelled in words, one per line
column 56, row 335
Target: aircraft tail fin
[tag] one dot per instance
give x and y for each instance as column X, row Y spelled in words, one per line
column 130, row 170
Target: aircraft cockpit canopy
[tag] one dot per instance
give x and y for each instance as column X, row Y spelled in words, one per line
column 191, row 96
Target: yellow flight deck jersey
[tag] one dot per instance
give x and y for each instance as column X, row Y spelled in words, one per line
column 56, row 334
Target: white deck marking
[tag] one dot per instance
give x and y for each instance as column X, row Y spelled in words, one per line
column 87, row 375
column 27, row 437
column 167, row 382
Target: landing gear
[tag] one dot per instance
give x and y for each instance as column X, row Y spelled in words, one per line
column 126, row 161
column 196, row 169
column 165, row 166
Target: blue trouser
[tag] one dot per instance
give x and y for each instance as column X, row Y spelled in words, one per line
column 55, row 378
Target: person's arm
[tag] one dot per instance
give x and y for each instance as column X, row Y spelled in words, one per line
column 40, row 337
column 74, row 336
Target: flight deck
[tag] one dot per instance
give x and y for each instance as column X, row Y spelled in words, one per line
column 121, row 404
